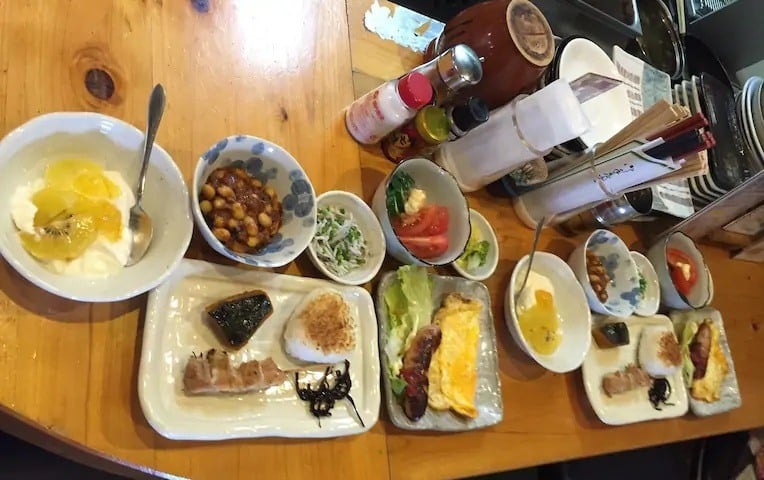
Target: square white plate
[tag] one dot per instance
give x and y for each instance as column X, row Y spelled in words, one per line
column 633, row 406
column 175, row 327
column 730, row 394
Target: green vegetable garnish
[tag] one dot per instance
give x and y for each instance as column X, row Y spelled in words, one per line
column 397, row 193
column 642, row 285
column 475, row 254
column 409, row 307
column 688, row 333
column 397, row 385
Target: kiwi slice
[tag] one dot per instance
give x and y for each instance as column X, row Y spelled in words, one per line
column 66, row 236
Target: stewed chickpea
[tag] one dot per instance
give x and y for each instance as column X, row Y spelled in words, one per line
column 244, row 214
column 208, row 191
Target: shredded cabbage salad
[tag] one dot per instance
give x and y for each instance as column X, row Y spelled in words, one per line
column 338, row 242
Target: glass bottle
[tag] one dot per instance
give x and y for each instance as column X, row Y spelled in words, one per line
column 419, row 137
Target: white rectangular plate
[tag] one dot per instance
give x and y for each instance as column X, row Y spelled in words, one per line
column 730, row 393
column 488, row 392
column 175, row 327
column 633, row 406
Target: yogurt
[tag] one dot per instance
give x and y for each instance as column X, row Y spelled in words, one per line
column 103, row 257
column 535, row 283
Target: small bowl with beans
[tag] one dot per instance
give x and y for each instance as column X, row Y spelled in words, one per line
column 253, row 203
column 606, row 270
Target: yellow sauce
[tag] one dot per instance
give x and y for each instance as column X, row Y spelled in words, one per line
column 540, row 324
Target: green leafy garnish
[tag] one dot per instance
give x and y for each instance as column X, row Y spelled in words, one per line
column 398, row 190
column 475, row 254
column 397, row 385
column 642, row 285
column 688, row 333
column 409, row 307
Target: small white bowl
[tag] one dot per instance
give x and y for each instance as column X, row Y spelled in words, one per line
column 118, row 146
column 441, row 189
column 273, row 166
column 371, row 230
column 570, row 300
column 623, row 290
column 479, row 222
column 701, row 294
column 651, row 300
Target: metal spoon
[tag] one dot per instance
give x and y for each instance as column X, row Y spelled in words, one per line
column 140, row 223
column 536, row 235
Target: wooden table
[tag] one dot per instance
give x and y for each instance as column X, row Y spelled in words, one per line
column 284, row 71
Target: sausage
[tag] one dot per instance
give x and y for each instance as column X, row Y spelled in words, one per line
column 700, row 348
column 416, row 363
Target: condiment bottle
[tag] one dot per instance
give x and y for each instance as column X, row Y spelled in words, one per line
column 387, row 107
column 418, row 137
column 525, row 129
column 456, row 68
column 465, row 117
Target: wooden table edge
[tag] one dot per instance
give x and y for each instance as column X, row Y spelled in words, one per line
column 48, row 439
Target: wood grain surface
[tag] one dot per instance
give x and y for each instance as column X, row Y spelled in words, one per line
column 283, row 71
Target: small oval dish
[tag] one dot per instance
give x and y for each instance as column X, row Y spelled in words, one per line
column 442, row 194
column 649, row 287
column 622, row 290
column 274, row 167
column 489, row 255
column 359, row 214
column 662, row 256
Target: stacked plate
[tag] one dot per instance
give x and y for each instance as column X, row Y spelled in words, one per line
column 750, row 113
column 730, row 162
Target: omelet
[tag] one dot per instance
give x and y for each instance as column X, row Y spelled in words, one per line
column 435, row 397
column 453, row 370
column 709, row 387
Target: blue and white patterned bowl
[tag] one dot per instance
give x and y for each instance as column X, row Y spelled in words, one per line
column 623, row 290
column 273, row 166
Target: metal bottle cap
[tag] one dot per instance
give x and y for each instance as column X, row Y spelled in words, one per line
column 459, row 66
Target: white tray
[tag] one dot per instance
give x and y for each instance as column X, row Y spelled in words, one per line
column 730, row 394
column 634, row 406
column 175, row 327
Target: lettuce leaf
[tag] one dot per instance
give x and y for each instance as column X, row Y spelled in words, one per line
column 397, row 385
column 688, row 333
column 409, row 307
column 475, row 253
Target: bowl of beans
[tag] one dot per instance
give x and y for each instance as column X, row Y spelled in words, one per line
column 253, row 203
column 604, row 267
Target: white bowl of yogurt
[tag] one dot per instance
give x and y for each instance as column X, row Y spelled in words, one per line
column 573, row 324
column 97, row 274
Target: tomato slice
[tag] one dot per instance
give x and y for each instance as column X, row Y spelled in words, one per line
column 674, row 256
column 682, row 285
column 676, row 259
column 430, row 220
column 426, row 247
